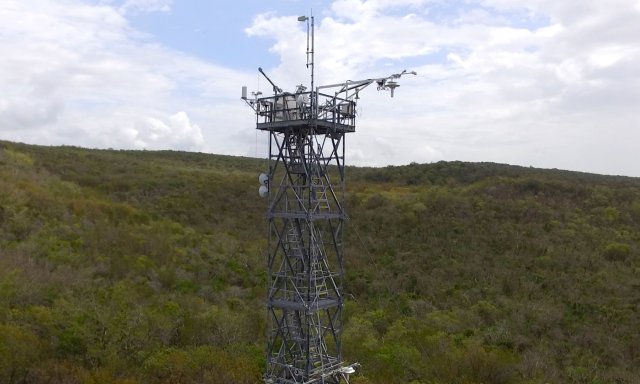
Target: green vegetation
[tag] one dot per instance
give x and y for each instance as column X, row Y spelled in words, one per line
column 148, row 267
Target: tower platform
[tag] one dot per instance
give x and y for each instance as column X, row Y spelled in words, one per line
column 295, row 111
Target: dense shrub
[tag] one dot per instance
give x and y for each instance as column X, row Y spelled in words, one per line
column 129, row 267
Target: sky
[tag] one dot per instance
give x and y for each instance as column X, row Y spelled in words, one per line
column 546, row 83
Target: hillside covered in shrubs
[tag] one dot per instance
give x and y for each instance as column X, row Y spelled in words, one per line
column 149, row 267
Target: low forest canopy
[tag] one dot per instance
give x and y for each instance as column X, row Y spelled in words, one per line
column 149, row 267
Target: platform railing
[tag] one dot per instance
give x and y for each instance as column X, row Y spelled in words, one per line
column 299, row 106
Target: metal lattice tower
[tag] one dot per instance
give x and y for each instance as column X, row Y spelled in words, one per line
column 305, row 187
column 306, row 217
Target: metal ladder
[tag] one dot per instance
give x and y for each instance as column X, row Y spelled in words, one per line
column 319, row 200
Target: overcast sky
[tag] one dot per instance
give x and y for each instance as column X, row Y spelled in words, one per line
column 548, row 83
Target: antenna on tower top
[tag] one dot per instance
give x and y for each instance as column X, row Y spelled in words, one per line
column 310, row 52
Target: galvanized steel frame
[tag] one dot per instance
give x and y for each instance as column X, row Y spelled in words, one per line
column 305, row 255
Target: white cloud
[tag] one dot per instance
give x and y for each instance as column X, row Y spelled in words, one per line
column 28, row 114
column 145, row 6
column 544, row 83
column 178, row 133
column 78, row 74
column 541, row 83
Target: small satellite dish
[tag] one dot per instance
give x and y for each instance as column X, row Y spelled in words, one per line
column 348, row 370
column 263, row 191
column 263, row 179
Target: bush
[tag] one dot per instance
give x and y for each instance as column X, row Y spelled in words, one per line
column 617, row 251
column 20, row 350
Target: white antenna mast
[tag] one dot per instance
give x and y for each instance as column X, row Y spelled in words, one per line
column 310, row 52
